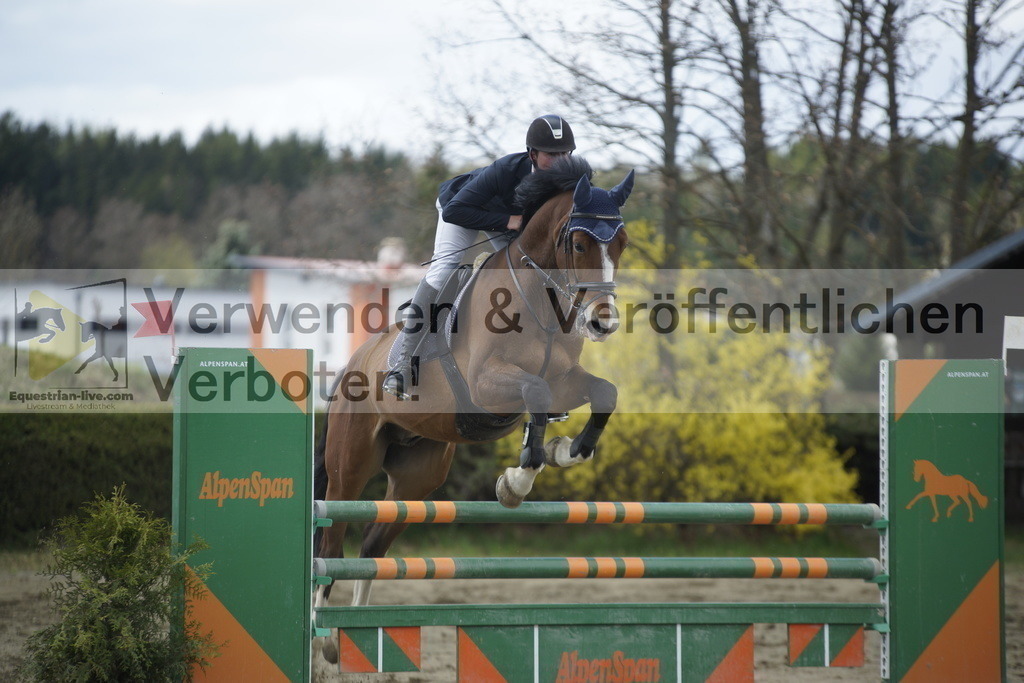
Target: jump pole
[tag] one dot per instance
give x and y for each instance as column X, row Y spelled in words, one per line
column 243, row 483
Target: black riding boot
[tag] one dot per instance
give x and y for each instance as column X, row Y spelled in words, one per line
column 401, row 378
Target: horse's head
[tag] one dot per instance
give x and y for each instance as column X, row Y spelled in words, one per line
column 918, row 469
column 87, row 331
column 589, row 247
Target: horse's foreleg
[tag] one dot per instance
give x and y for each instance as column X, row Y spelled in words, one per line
column 603, row 398
column 915, row 499
column 87, row 361
column 500, row 385
column 516, row 483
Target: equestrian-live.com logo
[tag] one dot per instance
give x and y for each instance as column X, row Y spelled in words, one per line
column 77, row 327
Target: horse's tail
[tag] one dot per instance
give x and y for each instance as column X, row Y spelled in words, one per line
column 319, row 462
column 982, row 500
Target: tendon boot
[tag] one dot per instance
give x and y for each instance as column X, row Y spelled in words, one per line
column 401, row 378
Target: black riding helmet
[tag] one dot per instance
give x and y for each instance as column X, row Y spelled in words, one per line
column 551, row 134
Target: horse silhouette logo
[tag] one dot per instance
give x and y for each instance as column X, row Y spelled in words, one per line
column 111, row 342
column 958, row 488
column 39, row 323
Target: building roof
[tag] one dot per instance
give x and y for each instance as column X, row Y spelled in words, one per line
column 348, row 271
column 1007, row 252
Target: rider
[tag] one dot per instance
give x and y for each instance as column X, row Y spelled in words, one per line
column 481, row 200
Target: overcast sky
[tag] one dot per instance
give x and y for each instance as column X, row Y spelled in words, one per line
column 355, row 71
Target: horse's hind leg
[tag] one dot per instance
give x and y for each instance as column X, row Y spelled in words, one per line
column 354, row 453
column 957, row 499
column 110, row 362
column 414, row 472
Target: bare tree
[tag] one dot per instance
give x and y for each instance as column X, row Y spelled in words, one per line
column 735, row 32
column 712, row 96
column 623, row 72
column 993, row 79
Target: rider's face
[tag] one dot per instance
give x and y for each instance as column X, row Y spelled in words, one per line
column 545, row 160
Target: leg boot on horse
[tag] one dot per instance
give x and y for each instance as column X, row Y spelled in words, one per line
column 401, row 378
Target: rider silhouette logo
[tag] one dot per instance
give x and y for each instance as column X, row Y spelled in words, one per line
column 55, row 335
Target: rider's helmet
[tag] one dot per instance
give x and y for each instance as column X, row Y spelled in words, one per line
column 551, row 134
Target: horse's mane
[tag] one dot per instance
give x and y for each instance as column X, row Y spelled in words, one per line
column 540, row 186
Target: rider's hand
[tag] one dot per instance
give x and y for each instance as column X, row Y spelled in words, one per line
column 515, row 222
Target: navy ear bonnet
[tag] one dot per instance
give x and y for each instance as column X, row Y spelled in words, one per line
column 596, row 211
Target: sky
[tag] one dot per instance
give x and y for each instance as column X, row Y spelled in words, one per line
column 356, row 72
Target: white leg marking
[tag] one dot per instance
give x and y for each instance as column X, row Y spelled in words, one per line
column 520, row 479
column 514, row 484
column 556, row 453
column 327, row 645
column 361, row 593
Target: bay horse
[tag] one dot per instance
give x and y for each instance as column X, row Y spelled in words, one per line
column 518, row 335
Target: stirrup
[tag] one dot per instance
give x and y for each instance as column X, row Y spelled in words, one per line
column 400, row 378
column 394, row 384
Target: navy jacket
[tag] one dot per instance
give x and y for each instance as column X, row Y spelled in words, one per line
column 484, row 199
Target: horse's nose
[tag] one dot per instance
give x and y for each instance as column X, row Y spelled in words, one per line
column 602, row 318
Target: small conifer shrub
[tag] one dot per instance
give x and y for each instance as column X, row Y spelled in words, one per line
column 117, row 585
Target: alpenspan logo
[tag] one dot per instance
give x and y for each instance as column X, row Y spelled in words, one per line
column 616, row 669
column 255, row 486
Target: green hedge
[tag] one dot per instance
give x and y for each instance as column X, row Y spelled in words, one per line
column 858, row 433
column 52, row 463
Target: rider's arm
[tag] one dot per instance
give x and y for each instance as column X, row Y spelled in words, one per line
column 473, row 206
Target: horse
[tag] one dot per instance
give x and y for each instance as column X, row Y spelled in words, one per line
column 111, row 342
column 957, row 487
column 41, row 322
column 514, row 347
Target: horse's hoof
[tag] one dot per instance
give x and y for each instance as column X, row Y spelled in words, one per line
column 506, row 496
column 558, row 452
column 330, row 649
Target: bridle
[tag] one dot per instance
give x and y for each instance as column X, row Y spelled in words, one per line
column 571, row 288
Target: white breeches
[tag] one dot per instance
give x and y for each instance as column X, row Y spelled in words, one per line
column 450, row 241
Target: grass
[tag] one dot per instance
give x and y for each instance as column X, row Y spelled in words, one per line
column 651, row 541
column 1014, row 546
column 23, row 561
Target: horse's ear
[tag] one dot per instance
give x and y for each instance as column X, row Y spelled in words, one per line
column 581, row 196
column 620, row 192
